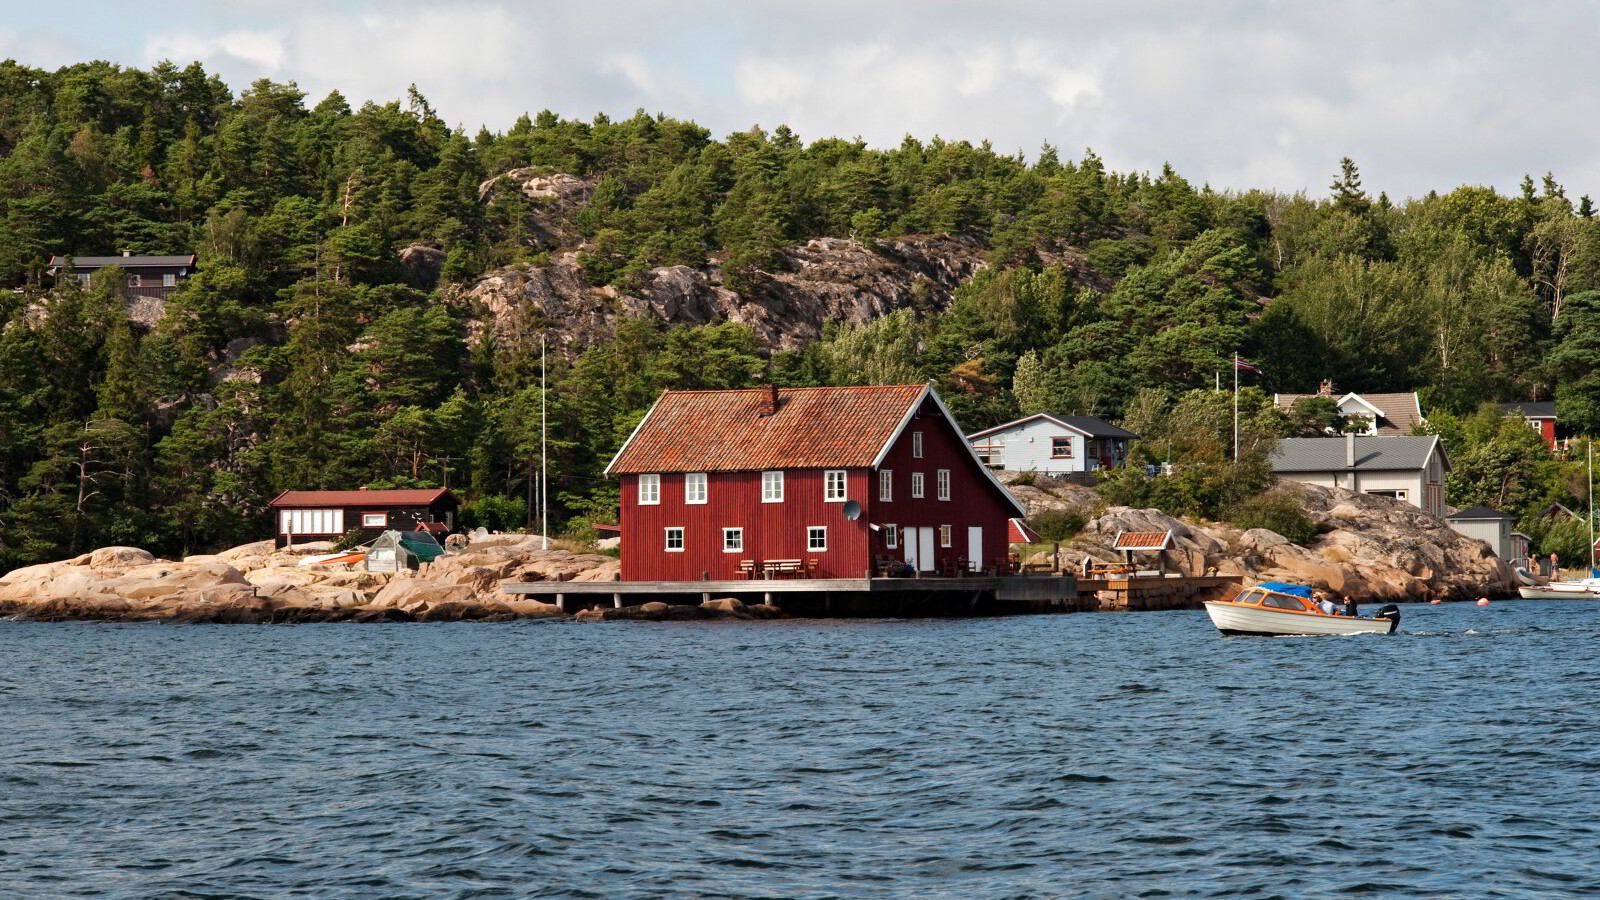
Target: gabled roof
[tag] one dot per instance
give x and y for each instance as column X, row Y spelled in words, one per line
column 813, row 428
column 423, row 497
column 1018, row 532
column 1143, row 540
column 1085, row 425
column 127, row 262
column 1374, row 453
column 1397, row 413
column 1531, row 409
column 1479, row 512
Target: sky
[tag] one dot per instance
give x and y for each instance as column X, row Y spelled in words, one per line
column 1423, row 95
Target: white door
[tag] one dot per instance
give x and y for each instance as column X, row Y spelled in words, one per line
column 925, row 549
column 975, row 548
column 909, row 535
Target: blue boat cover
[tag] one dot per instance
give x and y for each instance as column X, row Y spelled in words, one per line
column 1297, row 590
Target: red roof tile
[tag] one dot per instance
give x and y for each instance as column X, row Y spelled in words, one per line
column 1143, row 540
column 724, row 431
column 358, row 498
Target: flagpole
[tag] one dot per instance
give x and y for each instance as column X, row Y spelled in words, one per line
column 1236, row 406
column 544, row 455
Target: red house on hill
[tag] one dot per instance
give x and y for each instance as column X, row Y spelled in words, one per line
column 715, row 483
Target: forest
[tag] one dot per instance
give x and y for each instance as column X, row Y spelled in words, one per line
column 1118, row 294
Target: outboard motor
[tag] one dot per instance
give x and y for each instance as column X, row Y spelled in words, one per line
column 1389, row 612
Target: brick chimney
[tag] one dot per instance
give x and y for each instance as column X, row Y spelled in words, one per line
column 769, row 399
column 1325, row 389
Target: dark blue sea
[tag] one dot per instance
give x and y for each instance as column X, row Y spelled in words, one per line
column 1105, row 755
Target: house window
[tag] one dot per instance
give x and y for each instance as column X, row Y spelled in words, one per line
column 944, row 535
column 375, row 520
column 816, row 538
column 771, row 487
column 943, row 484
column 1401, row 495
column 649, row 490
column 1061, row 448
column 891, row 537
column 312, row 521
column 169, row 280
column 694, row 487
column 135, row 281
column 732, row 540
column 916, row 485
column 83, row 277
column 916, row 444
column 674, row 540
column 833, row 486
column 886, row 486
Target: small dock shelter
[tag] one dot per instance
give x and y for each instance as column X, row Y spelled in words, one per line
column 1493, row 527
column 328, row 515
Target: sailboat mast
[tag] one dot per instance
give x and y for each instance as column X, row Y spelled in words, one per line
column 544, row 456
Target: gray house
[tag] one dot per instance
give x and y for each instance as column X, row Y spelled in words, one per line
column 1493, row 527
column 1052, row 444
column 1407, row 468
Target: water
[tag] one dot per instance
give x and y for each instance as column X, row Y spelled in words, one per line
column 1098, row 755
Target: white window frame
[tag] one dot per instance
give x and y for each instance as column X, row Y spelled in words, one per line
column 918, row 486
column 916, row 445
column 813, row 533
column 830, row 477
column 693, row 480
column 886, row 485
column 1066, row 455
column 772, row 486
column 169, row 280
column 891, row 537
column 945, row 535
column 666, row 539
column 942, row 484
column 649, row 490
column 299, row 522
column 737, row 536
column 367, row 517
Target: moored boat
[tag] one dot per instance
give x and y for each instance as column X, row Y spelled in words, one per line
column 1582, row 589
column 1275, row 608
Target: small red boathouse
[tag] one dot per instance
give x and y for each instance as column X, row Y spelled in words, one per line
column 831, row 482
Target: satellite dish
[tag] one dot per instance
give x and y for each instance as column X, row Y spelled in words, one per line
column 852, row 510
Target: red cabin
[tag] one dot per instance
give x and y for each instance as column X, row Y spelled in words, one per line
column 829, row 482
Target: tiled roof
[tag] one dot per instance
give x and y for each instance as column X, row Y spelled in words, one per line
column 1387, row 453
column 358, row 498
column 1397, row 413
column 1018, row 532
column 1087, row 424
column 1143, row 540
column 724, row 431
column 127, row 262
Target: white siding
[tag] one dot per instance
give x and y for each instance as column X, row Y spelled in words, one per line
column 1027, row 448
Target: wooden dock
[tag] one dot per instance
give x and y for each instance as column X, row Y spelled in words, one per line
column 971, row 595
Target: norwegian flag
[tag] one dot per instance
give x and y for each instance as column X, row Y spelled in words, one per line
column 1243, row 366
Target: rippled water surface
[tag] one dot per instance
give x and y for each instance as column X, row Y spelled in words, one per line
column 1101, row 755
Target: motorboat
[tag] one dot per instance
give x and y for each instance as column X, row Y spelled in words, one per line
column 1291, row 609
column 1582, row 589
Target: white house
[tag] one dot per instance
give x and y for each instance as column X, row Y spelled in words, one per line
column 1385, row 414
column 1493, row 527
column 1408, row 468
column 1052, row 445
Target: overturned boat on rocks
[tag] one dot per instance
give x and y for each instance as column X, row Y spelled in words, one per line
column 1275, row 608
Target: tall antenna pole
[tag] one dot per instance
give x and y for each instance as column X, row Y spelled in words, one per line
column 1236, row 405
column 1591, row 508
column 544, row 457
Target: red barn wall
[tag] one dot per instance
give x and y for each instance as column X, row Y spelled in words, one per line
column 771, row 530
column 973, row 500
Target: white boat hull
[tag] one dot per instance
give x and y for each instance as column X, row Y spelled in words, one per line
column 1587, row 589
column 1231, row 618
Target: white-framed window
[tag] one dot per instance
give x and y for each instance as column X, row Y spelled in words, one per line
column 817, row 538
column 375, row 520
column 916, row 445
column 732, row 540
column 833, row 486
column 649, row 490
column 771, row 487
column 135, row 281
column 674, row 540
column 1061, row 448
column 916, row 486
column 886, row 485
column 943, row 484
column 311, row 521
column 944, row 535
column 694, row 487
column 169, row 280
column 891, row 537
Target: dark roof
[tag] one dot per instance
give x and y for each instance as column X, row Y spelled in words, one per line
column 127, row 262
column 1532, row 409
column 1089, row 425
column 724, row 431
column 1390, row 453
column 1479, row 512
column 423, row 497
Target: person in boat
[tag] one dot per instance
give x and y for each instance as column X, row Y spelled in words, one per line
column 1326, row 605
column 1350, row 606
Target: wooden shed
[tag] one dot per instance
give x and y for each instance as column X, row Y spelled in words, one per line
column 326, row 515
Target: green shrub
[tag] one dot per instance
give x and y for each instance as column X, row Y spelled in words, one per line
column 1277, row 511
column 1059, row 524
column 494, row 513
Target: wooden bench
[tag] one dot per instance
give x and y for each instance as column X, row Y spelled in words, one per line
column 780, row 568
column 747, row 568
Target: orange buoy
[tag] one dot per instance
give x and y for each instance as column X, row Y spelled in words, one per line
column 1435, row 602
column 1483, row 601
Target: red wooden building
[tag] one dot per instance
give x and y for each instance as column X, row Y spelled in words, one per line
column 715, row 483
